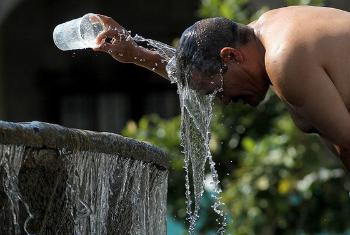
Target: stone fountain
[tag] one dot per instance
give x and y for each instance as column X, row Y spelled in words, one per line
column 56, row 180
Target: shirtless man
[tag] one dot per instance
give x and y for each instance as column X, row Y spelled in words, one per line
column 302, row 53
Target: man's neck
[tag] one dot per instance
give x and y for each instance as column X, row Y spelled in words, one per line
column 259, row 47
column 256, row 50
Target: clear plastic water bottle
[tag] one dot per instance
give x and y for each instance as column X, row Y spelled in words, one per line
column 78, row 33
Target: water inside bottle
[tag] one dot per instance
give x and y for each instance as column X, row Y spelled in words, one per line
column 78, row 33
column 90, row 27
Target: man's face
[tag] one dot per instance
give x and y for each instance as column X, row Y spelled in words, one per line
column 206, row 85
column 229, row 88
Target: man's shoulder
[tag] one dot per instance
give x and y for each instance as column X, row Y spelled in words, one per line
column 288, row 69
column 287, row 59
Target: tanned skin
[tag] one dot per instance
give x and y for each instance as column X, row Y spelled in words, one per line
column 302, row 53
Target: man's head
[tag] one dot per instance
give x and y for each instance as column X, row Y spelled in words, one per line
column 211, row 58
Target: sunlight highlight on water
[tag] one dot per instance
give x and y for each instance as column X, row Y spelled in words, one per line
column 96, row 193
column 11, row 161
column 196, row 115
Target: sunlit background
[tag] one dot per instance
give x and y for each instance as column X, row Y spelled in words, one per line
column 275, row 179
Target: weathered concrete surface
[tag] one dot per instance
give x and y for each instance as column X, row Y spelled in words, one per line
column 45, row 135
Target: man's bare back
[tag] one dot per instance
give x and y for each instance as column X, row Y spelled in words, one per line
column 308, row 62
column 324, row 42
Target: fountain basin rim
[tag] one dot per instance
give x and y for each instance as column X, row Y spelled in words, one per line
column 45, row 135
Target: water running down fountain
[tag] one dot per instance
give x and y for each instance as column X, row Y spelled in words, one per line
column 56, row 180
column 196, row 114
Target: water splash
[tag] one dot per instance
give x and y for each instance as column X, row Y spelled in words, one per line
column 164, row 50
column 196, row 115
column 88, row 191
column 11, row 161
column 196, row 112
column 93, row 193
column 92, row 189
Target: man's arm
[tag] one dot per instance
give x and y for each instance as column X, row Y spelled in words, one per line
column 311, row 92
column 343, row 154
column 330, row 146
column 117, row 42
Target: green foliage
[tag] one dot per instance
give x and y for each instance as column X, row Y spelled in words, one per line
column 305, row 2
column 242, row 11
column 238, row 10
column 226, row 8
column 275, row 179
column 284, row 184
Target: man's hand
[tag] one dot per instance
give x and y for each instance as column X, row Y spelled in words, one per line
column 116, row 41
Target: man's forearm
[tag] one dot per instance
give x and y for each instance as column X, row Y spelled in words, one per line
column 151, row 60
column 117, row 41
column 343, row 154
column 331, row 147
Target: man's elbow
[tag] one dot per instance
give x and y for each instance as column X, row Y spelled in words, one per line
column 344, row 154
column 344, row 145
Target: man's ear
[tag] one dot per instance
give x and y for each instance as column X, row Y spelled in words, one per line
column 230, row 54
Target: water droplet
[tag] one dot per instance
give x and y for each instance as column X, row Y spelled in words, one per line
column 83, row 209
column 195, row 134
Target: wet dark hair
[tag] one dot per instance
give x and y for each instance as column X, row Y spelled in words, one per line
column 201, row 43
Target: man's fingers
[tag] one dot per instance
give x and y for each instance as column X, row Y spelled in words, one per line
column 108, row 21
column 103, row 17
column 104, row 47
column 101, row 37
column 111, row 30
column 111, row 36
column 105, row 35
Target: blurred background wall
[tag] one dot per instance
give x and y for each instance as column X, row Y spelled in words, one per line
column 83, row 89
